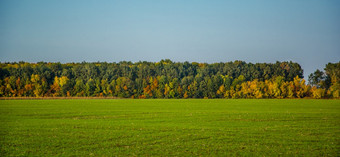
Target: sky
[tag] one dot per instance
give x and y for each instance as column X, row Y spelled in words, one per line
column 257, row 31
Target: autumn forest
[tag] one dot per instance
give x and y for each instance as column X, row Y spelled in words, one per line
column 167, row 79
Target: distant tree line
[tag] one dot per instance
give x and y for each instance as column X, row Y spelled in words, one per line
column 167, row 79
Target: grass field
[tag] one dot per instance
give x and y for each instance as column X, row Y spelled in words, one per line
column 170, row 127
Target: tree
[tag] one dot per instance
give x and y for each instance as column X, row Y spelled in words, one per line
column 90, row 87
column 168, row 79
column 79, row 88
column 318, row 93
column 333, row 79
column 37, row 85
column 317, row 79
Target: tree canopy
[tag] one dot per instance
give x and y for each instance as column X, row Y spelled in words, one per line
column 166, row 79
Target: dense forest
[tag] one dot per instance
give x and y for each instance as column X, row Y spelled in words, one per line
column 167, row 79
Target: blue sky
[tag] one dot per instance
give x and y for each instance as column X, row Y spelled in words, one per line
column 303, row 31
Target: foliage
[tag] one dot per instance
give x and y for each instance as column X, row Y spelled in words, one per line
column 326, row 84
column 165, row 79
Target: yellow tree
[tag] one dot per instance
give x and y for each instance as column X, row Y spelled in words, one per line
column 277, row 87
column 252, row 88
column 290, row 90
column 284, row 89
column 259, row 90
column 300, row 88
column 220, row 92
column 271, row 89
column 57, row 86
column 19, row 87
column 334, row 90
column 166, row 90
column 244, row 92
column 147, row 91
column 185, row 95
column 37, row 85
column 317, row 93
column 154, row 87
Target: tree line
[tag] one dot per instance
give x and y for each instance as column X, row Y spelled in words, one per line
column 167, row 79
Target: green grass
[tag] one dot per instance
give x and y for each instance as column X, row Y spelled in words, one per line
column 169, row 127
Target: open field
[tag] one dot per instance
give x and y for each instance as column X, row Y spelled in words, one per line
column 130, row 127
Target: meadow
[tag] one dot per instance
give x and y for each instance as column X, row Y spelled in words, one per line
column 163, row 127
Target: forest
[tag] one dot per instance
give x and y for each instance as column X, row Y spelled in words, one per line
column 167, row 79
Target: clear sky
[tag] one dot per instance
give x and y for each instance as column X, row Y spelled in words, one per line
column 303, row 31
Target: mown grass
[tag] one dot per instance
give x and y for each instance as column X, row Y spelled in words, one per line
column 169, row 127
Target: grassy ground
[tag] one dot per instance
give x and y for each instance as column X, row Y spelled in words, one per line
column 169, row 127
